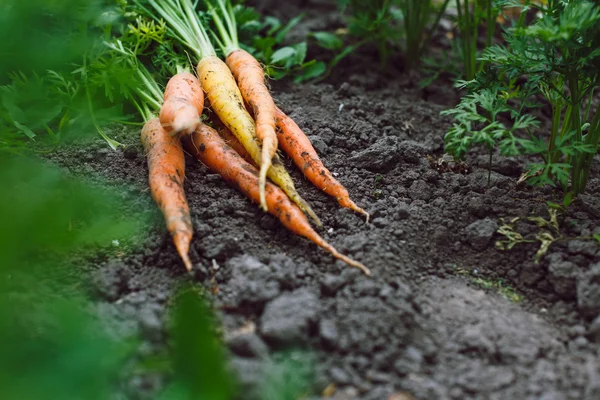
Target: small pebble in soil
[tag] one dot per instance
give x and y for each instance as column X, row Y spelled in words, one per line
column 251, row 281
column 562, row 276
column 588, row 291
column 479, row 233
column 594, row 330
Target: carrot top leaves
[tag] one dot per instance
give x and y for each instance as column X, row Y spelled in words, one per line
column 184, row 21
column 227, row 26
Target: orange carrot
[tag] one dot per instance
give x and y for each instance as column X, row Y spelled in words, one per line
column 166, row 166
column 183, row 104
column 298, row 147
column 250, row 78
column 232, row 141
column 206, row 145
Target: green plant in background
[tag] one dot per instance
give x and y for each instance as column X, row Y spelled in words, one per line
column 547, row 233
column 373, row 21
column 506, row 291
column 420, row 18
column 557, row 56
column 266, row 37
column 489, row 116
column 470, row 15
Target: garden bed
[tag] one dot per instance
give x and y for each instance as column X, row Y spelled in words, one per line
column 446, row 315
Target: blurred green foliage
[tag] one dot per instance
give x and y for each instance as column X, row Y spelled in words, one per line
column 58, row 79
column 50, row 346
column 198, row 358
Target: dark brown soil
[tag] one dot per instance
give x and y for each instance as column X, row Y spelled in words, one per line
column 432, row 321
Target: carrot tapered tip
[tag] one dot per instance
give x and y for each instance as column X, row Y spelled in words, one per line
column 262, row 181
column 349, row 261
column 353, row 263
column 346, row 202
column 186, row 261
column 183, row 245
column 307, row 209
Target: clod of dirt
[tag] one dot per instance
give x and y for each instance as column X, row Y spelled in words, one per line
column 328, row 332
column 410, row 362
column 249, row 373
column 479, row 233
column 219, row 248
column 331, row 283
column 594, row 331
column 588, row 291
column 110, row 280
column 150, row 321
column 319, row 144
column 251, row 281
column 380, row 157
column 248, row 345
column 420, row 190
column 288, row 319
column 411, row 151
column 563, row 276
column 585, row 247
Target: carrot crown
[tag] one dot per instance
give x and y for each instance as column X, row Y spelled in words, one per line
column 184, row 22
column 227, row 27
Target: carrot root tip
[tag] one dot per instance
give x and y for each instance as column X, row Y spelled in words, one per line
column 307, row 209
column 187, row 262
column 262, row 183
column 185, row 126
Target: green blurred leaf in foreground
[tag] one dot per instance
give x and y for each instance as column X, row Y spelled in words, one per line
column 198, row 358
column 44, row 34
column 50, row 346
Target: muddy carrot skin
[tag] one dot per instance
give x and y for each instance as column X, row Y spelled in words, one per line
column 227, row 102
column 183, row 104
column 297, row 146
column 233, row 142
column 250, row 78
column 206, row 145
column 166, row 166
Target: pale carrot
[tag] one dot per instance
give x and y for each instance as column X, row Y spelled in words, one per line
column 250, row 78
column 232, row 141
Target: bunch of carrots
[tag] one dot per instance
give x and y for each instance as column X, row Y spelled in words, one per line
column 251, row 128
